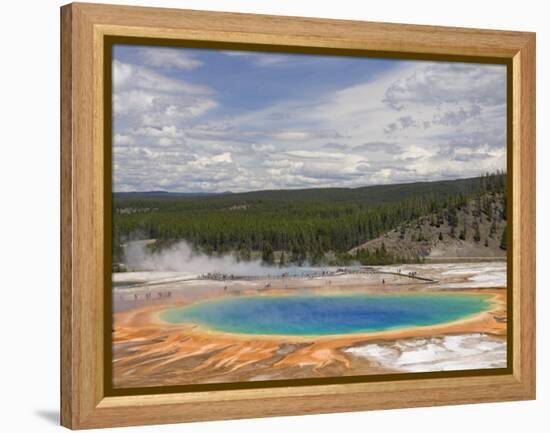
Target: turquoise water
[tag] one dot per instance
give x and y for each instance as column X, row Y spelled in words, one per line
column 318, row 315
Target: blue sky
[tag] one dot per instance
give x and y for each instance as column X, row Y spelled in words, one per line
column 195, row 120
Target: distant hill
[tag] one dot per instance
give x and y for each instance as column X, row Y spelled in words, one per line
column 164, row 194
column 374, row 194
column 474, row 231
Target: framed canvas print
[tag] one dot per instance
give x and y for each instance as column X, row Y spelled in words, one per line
column 267, row 215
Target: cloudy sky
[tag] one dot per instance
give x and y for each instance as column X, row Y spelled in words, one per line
column 192, row 120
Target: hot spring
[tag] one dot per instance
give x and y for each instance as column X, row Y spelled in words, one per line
column 317, row 315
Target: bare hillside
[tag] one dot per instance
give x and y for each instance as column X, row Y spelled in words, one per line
column 474, row 230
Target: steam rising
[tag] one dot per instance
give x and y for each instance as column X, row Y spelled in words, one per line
column 182, row 258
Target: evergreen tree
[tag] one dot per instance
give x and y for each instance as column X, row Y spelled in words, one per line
column 282, row 259
column 298, row 255
column 317, row 256
column 477, row 235
column 504, row 239
column 245, row 254
column 452, row 232
column 453, row 217
column 462, row 234
column 487, row 209
column 493, row 229
column 267, row 254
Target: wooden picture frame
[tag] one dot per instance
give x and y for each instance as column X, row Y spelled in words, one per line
column 85, row 199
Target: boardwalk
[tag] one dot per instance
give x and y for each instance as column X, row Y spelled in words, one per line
column 338, row 272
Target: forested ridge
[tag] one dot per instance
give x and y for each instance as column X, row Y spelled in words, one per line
column 295, row 226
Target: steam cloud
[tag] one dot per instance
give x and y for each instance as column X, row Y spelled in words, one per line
column 181, row 258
